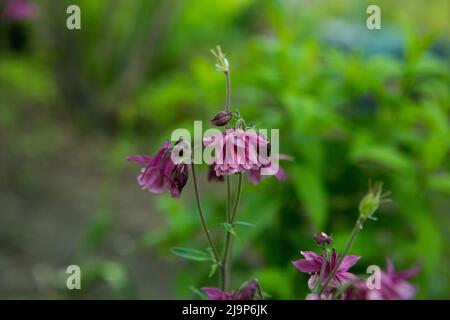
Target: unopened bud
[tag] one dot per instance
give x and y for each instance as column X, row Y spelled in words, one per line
column 322, row 239
column 221, row 119
column 371, row 201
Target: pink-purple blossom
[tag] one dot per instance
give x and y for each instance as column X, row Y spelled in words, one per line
column 394, row 285
column 160, row 171
column 312, row 264
column 236, row 150
column 246, row 292
column 19, row 10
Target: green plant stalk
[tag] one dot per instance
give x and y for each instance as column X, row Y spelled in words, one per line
column 229, row 238
column 228, row 95
column 356, row 229
column 203, row 220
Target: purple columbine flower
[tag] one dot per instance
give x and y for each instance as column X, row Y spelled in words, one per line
column 394, row 285
column 322, row 239
column 19, row 10
column 161, row 171
column 312, row 264
column 247, row 292
column 221, row 119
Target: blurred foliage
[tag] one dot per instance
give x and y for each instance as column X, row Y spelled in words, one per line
column 351, row 105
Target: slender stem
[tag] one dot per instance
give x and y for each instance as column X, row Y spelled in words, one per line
column 229, row 239
column 227, row 178
column 238, row 197
column 224, row 281
column 202, row 218
column 355, row 231
column 228, row 97
column 228, row 242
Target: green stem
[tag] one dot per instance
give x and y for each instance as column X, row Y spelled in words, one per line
column 229, row 238
column 228, row 97
column 356, row 229
column 202, row 218
column 227, row 178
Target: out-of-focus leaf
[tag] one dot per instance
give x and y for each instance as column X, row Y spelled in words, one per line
column 440, row 182
column 243, row 223
column 311, row 192
column 230, row 229
column 191, row 254
column 115, row 275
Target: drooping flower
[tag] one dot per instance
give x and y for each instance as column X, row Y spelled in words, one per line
column 246, row 292
column 312, row 264
column 161, row 171
column 19, row 10
column 221, row 119
column 322, row 239
column 394, row 285
column 236, row 150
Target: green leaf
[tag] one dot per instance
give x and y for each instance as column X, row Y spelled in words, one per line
column 214, row 267
column 230, row 229
column 191, row 254
column 311, row 191
column 243, row 223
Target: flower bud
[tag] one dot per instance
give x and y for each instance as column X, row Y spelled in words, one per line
column 371, row 201
column 221, row 119
column 322, row 239
column 177, row 179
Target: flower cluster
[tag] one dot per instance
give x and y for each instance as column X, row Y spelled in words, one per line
column 346, row 285
column 237, row 150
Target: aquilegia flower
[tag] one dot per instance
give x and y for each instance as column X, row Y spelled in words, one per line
column 246, row 292
column 19, row 10
column 312, row 264
column 161, row 171
column 236, row 150
column 394, row 285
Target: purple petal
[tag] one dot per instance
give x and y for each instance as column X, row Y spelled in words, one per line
column 349, row 261
column 254, row 176
column 214, row 294
column 312, row 296
column 345, row 276
column 312, row 281
column 281, row 175
column 390, row 270
column 140, row 159
column 311, row 263
column 410, row 273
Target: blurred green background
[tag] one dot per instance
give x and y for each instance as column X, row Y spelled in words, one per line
column 352, row 104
